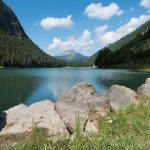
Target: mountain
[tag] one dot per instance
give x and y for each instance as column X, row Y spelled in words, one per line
column 91, row 60
column 132, row 51
column 16, row 48
column 72, row 56
column 118, row 44
column 63, row 53
column 126, row 39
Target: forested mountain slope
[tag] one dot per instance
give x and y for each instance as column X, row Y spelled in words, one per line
column 134, row 54
column 91, row 60
column 126, row 39
column 16, row 49
column 118, row 44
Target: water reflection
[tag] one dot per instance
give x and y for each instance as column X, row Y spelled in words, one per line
column 129, row 79
column 14, row 90
column 32, row 85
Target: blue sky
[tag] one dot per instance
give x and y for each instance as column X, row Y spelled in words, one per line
column 85, row 26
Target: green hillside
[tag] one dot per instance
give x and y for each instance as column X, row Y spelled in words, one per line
column 126, row 39
column 118, row 44
column 91, row 60
column 16, row 49
column 134, row 54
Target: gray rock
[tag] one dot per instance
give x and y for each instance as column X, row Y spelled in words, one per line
column 21, row 118
column 120, row 97
column 147, row 81
column 144, row 89
column 81, row 102
column 93, row 123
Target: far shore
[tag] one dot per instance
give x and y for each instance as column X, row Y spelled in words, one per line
column 143, row 68
column 137, row 67
column 78, row 67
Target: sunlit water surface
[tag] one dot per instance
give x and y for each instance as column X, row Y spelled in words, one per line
column 31, row 85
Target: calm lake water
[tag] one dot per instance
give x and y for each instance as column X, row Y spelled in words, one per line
column 31, row 85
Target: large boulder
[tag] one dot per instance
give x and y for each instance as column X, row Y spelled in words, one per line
column 22, row 118
column 121, row 97
column 81, row 103
column 147, row 81
column 145, row 88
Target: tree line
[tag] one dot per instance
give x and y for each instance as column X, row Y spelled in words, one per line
column 22, row 52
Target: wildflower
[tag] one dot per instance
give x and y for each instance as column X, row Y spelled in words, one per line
column 108, row 118
column 110, row 121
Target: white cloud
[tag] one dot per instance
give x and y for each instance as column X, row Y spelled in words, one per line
column 145, row 3
column 84, row 42
column 51, row 22
column 100, row 30
column 112, row 36
column 98, row 11
column 120, row 12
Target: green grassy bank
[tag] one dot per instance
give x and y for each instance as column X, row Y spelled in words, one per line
column 129, row 129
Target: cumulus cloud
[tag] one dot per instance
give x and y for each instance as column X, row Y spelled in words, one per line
column 100, row 30
column 108, row 37
column 145, row 3
column 120, row 12
column 84, row 42
column 51, row 22
column 98, row 11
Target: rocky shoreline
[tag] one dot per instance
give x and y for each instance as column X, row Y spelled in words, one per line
column 80, row 102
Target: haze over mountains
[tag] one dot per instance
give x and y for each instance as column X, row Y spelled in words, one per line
column 16, row 48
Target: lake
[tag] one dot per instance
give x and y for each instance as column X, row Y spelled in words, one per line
column 31, row 85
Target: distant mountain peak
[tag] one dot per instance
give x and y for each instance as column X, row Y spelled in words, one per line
column 68, row 52
column 71, row 56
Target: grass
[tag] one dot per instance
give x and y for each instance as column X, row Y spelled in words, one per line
column 129, row 129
